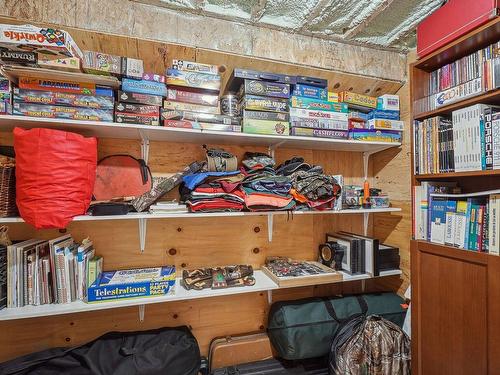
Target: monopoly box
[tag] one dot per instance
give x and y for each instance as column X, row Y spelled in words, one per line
column 200, row 117
column 132, row 97
column 317, row 104
column 310, row 92
column 132, row 118
column 144, row 87
column 258, row 103
column 195, row 80
column 134, row 283
column 68, row 113
column 265, row 127
column 189, row 96
column 191, row 66
column 263, row 115
column 307, row 113
column 263, row 88
column 137, row 109
column 320, row 133
column 62, row 98
column 35, row 39
column 320, row 123
column 358, row 99
column 375, row 135
column 185, row 124
column 179, row 106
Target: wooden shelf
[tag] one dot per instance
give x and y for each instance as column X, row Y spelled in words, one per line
column 262, row 284
column 165, row 134
column 437, row 248
column 490, row 97
column 193, row 215
column 451, row 175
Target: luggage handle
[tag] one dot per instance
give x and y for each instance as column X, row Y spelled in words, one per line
column 331, row 311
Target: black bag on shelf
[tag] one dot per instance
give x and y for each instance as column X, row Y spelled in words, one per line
column 304, row 328
column 172, row 351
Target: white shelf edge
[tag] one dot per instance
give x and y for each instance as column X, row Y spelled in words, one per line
column 263, row 284
column 160, row 133
column 192, row 215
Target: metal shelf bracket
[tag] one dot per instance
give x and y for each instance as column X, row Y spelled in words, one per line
column 270, row 219
column 272, row 148
column 142, row 308
column 144, row 146
column 366, row 220
column 269, row 297
column 143, row 226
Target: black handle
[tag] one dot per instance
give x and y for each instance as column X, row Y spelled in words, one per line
column 331, row 311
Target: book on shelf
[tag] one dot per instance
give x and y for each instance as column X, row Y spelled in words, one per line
column 471, row 75
column 40, row 272
column 469, row 141
column 463, row 221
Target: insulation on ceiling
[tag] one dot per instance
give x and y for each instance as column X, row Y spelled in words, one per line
column 384, row 23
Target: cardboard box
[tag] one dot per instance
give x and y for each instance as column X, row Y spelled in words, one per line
column 153, row 77
column 131, row 97
column 383, row 114
column 18, row 57
column 141, row 282
column 388, row 102
column 81, row 88
column 132, row 68
column 383, row 124
column 179, row 106
column 263, row 88
column 185, row 124
column 374, row 135
column 138, row 109
column 316, row 104
column 144, row 87
column 191, row 66
column 63, row 99
column 307, row 113
column 140, row 119
column 259, row 103
column 199, row 117
column 320, row 133
column 265, row 127
column 333, row 97
column 310, row 92
column 68, row 64
column 101, row 63
column 68, row 113
column 358, row 99
column 264, row 115
column 319, row 123
column 35, row 39
column 193, row 97
column 195, row 80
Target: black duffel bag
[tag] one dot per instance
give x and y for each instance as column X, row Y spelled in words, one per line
column 304, row 328
column 164, row 351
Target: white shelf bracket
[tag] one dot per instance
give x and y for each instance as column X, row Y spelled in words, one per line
column 269, row 297
column 366, row 220
column 363, row 285
column 272, row 148
column 270, row 219
column 366, row 160
column 143, row 226
column 144, row 146
column 142, row 308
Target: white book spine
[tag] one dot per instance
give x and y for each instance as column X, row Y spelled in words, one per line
column 449, row 238
column 495, row 131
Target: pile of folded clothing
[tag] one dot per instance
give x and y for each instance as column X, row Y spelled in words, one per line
column 264, row 189
column 213, row 192
column 311, row 188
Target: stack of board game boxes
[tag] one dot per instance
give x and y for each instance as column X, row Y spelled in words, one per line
column 193, row 98
column 373, row 119
column 263, row 101
column 313, row 112
column 5, row 96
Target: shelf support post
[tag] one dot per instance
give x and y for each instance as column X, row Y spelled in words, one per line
column 366, row 220
column 270, row 218
column 269, row 297
column 366, row 160
column 363, row 285
column 272, row 148
column 143, row 225
column 141, row 313
column 144, row 146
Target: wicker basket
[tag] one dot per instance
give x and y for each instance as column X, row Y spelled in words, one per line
column 7, row 187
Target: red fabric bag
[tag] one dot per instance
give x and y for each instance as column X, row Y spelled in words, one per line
column 55, row 174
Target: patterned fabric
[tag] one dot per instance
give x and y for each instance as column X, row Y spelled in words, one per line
column 376, row 347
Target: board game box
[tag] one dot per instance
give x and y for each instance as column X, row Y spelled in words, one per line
column 69, row 64
column 238, row 75
column 101, row 63
column 32, row 83
column 191, row 66
column 153, row 77
column 358, row 99
column 385, row 124
column 179, row 106
column 144, row 87
column 263, row 88
column 200, row 117
column 18, row 57
column 258, row 103
column 383, row 114
column 319, row 123
column 317, row 105
column 307, row 113
column 62, row 98
column 138, row 109
column 263, row 115
column 310, row 92
column 36, row 39
column 375, row 135
column 132, row 97
column 312, row 81
column 69, row 113
column 133, row 283
column 320, row 133
column 191, row 79
column 141, row 119
column 190, row 96
column 132, row 68
column 184, row 124
column 265, row 127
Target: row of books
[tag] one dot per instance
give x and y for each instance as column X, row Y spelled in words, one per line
column 469, row 141
column 462, row 70
column 444, row 217
column 40, row 272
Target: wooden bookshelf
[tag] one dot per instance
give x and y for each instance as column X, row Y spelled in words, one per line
column 454, row 290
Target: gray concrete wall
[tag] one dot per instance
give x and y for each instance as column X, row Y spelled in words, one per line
column 125, row 17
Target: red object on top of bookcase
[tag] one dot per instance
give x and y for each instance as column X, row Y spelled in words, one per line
column 451, row 21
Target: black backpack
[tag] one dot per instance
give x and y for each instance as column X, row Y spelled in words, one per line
column 172, row 351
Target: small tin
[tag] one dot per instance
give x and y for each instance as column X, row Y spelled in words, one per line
column 229, row 105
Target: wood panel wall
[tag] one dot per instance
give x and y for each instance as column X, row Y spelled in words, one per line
column 204, row 241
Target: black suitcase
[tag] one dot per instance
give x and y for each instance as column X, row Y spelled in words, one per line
column 277, row 367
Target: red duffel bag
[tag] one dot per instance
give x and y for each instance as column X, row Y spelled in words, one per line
column 55, row 174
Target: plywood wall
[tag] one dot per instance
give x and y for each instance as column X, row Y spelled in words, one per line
column 204, row 241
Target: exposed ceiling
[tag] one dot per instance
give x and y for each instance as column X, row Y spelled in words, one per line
column 382, row 23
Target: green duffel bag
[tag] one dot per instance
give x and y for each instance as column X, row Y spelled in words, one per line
column 304, row 328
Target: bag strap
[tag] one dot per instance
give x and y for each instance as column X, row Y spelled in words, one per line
column 31, row 363
column 331, row 311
